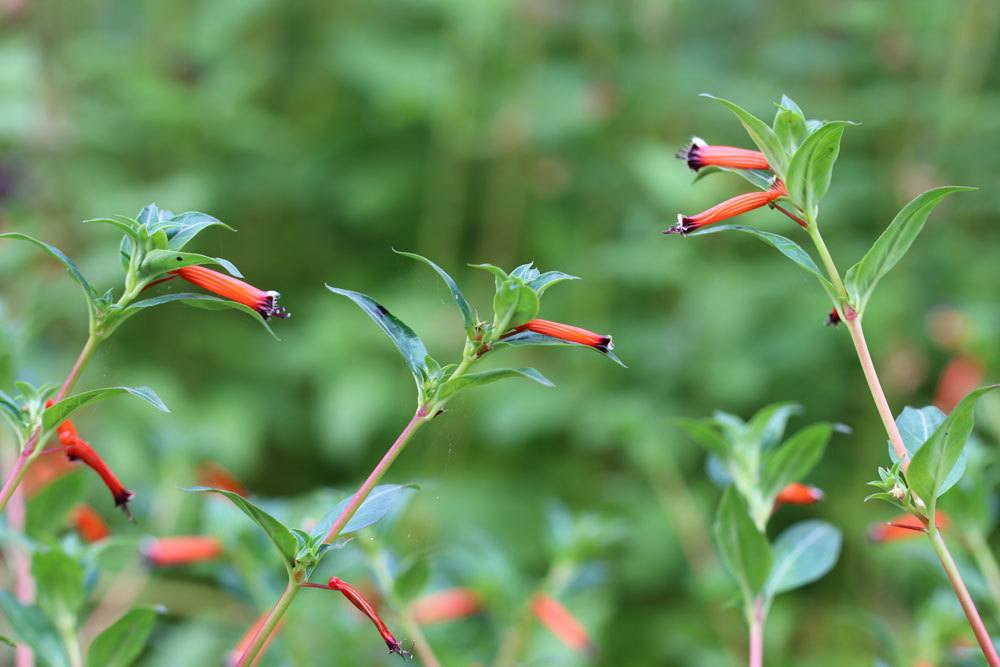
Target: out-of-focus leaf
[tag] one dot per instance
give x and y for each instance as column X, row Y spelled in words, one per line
column 703, row 434
column 407, row 342
column 277, row 532
column 64, row 408
column 493, row 375
column 413, row 578
column 159, row 262
column 383, row 499
column 744, row 549
column 793, row 460
column 768, row 426
column 49, row 508
column 802, row 554
column 811, row 168
column 468, row 313
column 785, row 246
column 762, row 135
column 122, row 643
column 893, row 244
column 933, row 462
column 74, row 271
column 35, row 629
column 59, row 580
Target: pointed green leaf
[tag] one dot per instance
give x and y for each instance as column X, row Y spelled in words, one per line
column 276, row 531
column 122, row 643
column 704, row 435
column 152, row 214
column 383, row 499
column 758, row 178
column 530, row 338
column 793, row 460
column 127, row 226
column 526, row 272
column 790, row 124
column 893, row 244
column 64, row 408
column 34, row 628
column 743, row 548
column 768, row 426
column 546, row 280
column 762, row 135
column 181, row 229
column 198, row 300
column 486, row 377
column 933, row 462
column 515, row 303
column 916, row 426
column 74, row 271
column 60, row 583
column 468, row 313
column 785, row 246
column 802, row 554
column 407, row 342
column 159, row 262
column 811, row 168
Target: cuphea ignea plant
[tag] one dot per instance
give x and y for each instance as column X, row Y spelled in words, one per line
column 927, row 449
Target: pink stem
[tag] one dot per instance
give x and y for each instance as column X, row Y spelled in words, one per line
column 757, row 634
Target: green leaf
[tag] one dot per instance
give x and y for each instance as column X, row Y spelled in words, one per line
column 48, row 509
column 811, row 167
column 159, row 262
column 276, row 531
column 762, row 135
column 790, row 124
column 546, row 280
column 931, row 465
column 54, row 415
column 198, row 300
column 743, row 548
column 383, row 499
column 408, row 343
column 785, row 246
column 704, row 435
column 413, row 578
column 802, row 554
column 916, row 426
column 892, row 245
column 792, row 461
column 530, row 338
column 515, row 303
column 127, row 226
column 34, row 628
column 74, row 271
column 181, row 229
column 151, row 215
column 758, row 178
column 122, row 643
column 486, row 377
column 60, row 583
column 767, row 427
column 468, row 313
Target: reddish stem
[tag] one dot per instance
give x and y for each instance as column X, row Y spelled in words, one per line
column 802, row 223
column 757, row 634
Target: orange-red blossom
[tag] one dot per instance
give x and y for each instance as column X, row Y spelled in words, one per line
column 798, row 493
column 699, row 154
column 89, row 524
column 182, row 550
column 368, row 609
column 567, row 332
column 228, row 287
column 560, row 622
column 446, row 605
column 729, row 209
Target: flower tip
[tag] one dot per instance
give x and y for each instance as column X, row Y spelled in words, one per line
column 396, row 648
column 270, row 308
column 691, row 153
column 683, row 227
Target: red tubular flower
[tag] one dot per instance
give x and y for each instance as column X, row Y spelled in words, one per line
column 699, row 154
column 89, row 524
column 729, row 209
column 181, row 550
column 233, row 658
column 568, row 333
column 447, row 605
column 904, row 527
column 77, row 449
column 561, row 623
column 265, row 303
column 217, row 477
column 368, row 609
column 797, row 493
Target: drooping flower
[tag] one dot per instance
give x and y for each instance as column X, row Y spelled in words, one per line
column 88, row 524
column 228, row 287
column 797, row 493
column 181, row 550
column 566, row 332
column 904, row 527
column 699, row 154
column 729, row 209
column 446, row 605
column 561, row 623
column 368, row 609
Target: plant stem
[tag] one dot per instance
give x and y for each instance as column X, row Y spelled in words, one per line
column 968, row 606
column 263, row 636
column 68, row 633
column 987, row 563
column 416, row 421
column 757, row 634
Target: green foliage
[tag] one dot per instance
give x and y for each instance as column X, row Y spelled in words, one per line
column 762, row 135
column 74, row 271
column 34, row 628
column 281, row 537
column 382, row 500
column 811, row 168
column 892, row 245
column 744, row 549
column 59, row 580
column 487, row 377
column 60, row 411
column 158, row 262
column 121, row 643
column 202, row 301
column 795, row 459
column 803, row 553
column 469, row 317
column 789, row 124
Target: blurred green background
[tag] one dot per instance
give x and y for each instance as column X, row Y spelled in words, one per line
column 501, row 131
